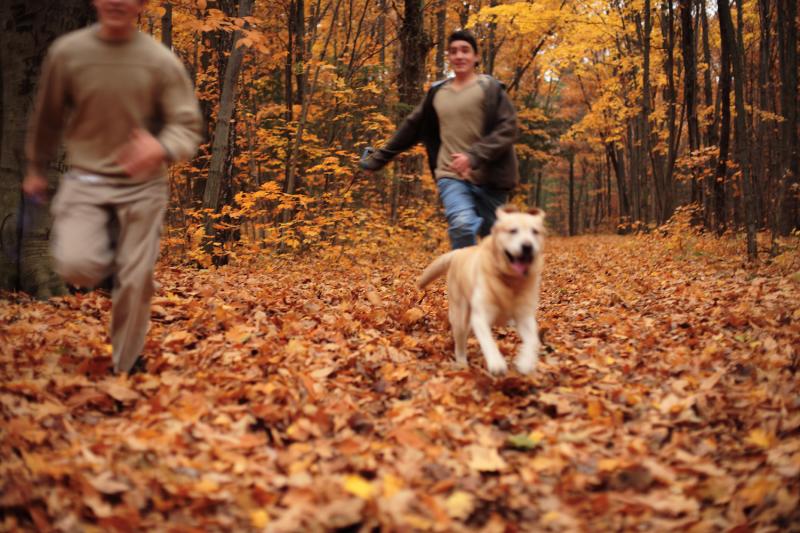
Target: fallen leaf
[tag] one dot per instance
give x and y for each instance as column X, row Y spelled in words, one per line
column 179, row 338
column 521, row 441
column 358, row 486
column 259, row 518
column 760, row 438
column 295, row 347
column 485, row 459
column 118, row 391
column 413, row 315
column 459, row 504
column 238, row 334
column 106, row 483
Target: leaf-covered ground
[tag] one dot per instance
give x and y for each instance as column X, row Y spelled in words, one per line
column 310, row 395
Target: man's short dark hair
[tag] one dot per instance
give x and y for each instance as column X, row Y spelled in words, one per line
column 463, row 35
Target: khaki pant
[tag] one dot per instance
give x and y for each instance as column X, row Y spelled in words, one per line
column 103, row 228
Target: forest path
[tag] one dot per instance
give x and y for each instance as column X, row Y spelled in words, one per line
column 303, row 395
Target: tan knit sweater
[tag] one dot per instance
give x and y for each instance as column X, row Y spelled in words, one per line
column 97, row 92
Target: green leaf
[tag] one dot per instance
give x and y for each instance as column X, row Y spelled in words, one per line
column 522, row 441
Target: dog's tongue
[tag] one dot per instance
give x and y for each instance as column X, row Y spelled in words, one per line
column 520, row 267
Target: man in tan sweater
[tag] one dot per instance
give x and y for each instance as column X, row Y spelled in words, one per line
column 125, row 108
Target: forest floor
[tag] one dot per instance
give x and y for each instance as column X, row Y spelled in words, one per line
column 310, row 395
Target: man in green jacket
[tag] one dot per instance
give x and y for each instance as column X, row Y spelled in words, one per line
column 468, row 126
column 125, row 107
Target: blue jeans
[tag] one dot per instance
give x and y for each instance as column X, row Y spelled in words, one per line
column 469, row 209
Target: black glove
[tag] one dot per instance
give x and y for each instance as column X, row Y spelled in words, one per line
column 365, row 162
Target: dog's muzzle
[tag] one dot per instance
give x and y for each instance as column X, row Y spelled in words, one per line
column 522, row 262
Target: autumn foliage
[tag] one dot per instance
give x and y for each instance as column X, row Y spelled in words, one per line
column 298, row 381
column 627, row 112
column 307, row 394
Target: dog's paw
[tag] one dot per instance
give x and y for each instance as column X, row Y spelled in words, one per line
column 497, row 366
column 525, row 365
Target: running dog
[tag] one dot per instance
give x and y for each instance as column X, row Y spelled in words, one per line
column 493, row 282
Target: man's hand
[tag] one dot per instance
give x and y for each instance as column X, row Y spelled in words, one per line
column 459, row 163
column 34, row 186
column 141, row 156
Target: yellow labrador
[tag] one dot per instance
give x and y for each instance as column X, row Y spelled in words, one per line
column 494, row 282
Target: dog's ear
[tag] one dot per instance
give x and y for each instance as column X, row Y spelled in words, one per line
column 506, row 210
column 535, row 211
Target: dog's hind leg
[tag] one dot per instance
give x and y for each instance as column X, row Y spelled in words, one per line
column 481, row 325
column 528, row 355
column 459, row 323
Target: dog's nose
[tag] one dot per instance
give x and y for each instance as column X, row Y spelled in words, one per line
column 527, row 249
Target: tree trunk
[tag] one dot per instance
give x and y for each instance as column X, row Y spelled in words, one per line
column 293, row 155
column 708, row 92
column 622, row 189
column 28, row 28
column 765, row 130
column 220, row 145
column 414, row 45
column 288, row 66
column 382, row 39
column 413, row 48
column 720, row 219
column 645, row 148
column 299, row 48
column 571, row 222
column 166, row 25
column 441, row 38
column 490, row 49
column 689, row 90
column 736, row 52
column 711, row 185
column 790, row 153
column 665, row 200
column 538, row 195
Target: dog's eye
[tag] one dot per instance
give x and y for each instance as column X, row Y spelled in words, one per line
column 535, row 231
column 513, row 231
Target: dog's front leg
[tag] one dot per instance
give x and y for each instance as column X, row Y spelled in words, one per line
column 482, row 326
column 528, row 355
column 459, row 323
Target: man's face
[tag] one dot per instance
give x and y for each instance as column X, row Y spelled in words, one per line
column 118, row 15
column 462, row 57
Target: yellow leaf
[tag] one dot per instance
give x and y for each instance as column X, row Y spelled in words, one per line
column 259, row 519
column 551, row 516
column 760, row 438
column 757, row 490
column 295, row 347
column 207, row 486
column 412, row 315
column 607, row 465
column 459, row 505
column 536, row 436
column 391, row 485
column 358, row 486
column 594, row 409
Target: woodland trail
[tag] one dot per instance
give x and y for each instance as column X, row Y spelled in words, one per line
column 310, row 395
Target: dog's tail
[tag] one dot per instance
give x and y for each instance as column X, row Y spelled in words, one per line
column 436, row 269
